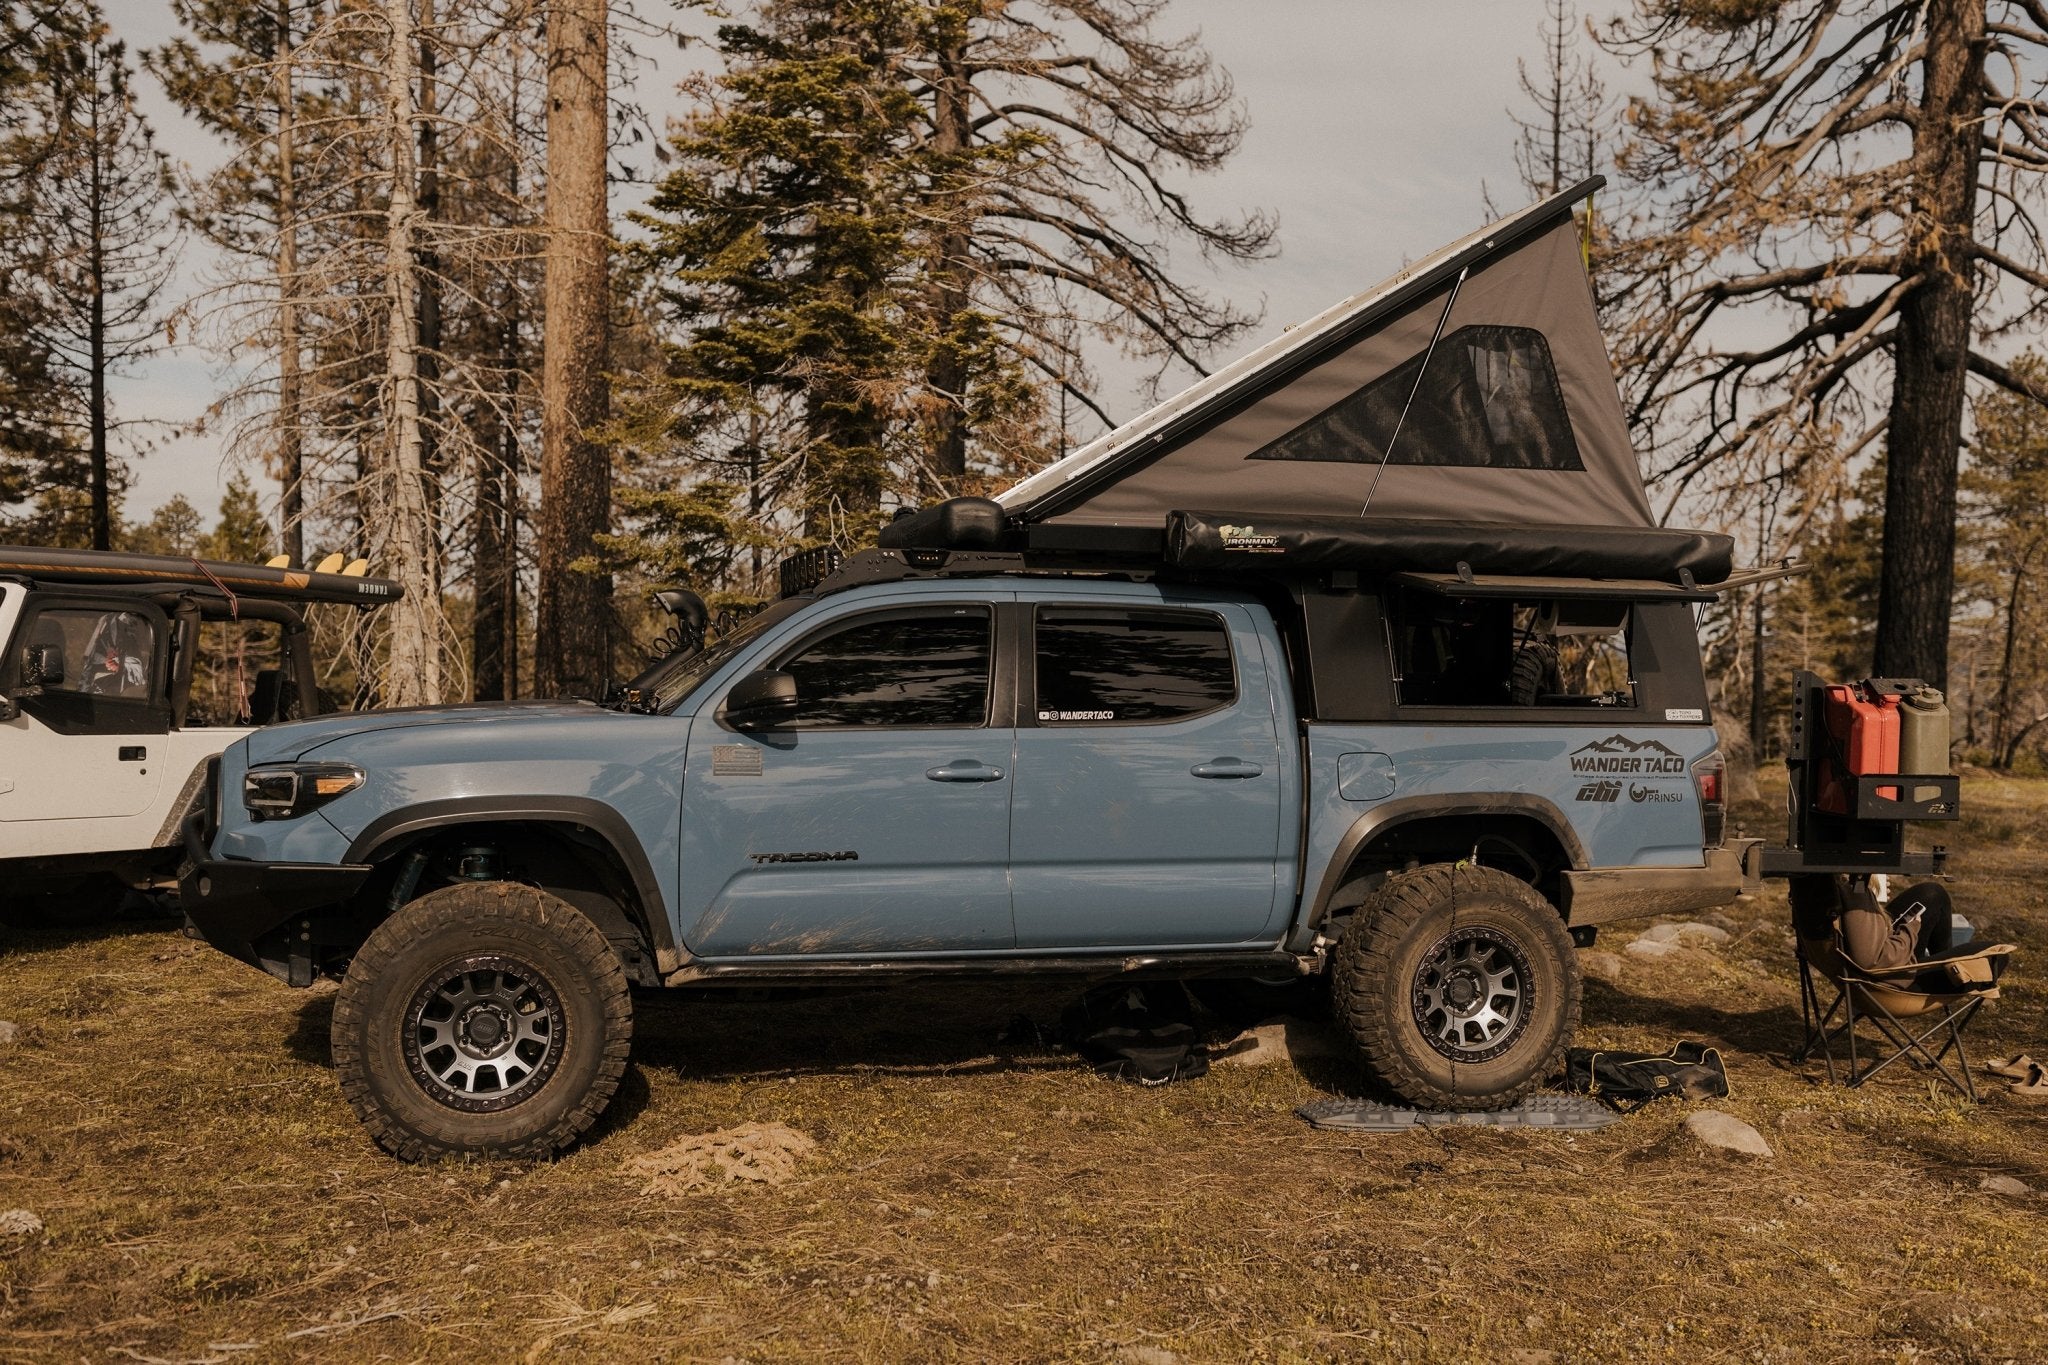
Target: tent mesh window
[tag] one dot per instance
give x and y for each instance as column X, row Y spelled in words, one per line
column 1490, row 399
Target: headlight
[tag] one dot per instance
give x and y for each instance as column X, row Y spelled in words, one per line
column 281, row 791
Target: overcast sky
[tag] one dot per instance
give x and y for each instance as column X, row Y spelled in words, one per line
column 1375, row 128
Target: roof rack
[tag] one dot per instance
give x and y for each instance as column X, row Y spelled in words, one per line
column 182, row 573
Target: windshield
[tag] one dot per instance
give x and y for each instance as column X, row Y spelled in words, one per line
column 667, row 683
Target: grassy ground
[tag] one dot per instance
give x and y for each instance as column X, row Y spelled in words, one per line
column 171, row 1118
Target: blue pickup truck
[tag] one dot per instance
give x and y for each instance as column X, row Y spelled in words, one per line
column 907, row 772
column 1421, row 708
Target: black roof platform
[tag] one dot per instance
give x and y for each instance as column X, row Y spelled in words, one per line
column 1261, row 545
column 112, row 568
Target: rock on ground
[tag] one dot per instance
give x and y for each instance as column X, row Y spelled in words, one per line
column 1602, row 966
column 9, row 1033
column 2005, row 1184
column 1724, row 1132
column 1279, row 1040
column 1693, row 934
column 19, row 1223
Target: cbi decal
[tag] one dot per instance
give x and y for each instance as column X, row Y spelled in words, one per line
column 1601, row 792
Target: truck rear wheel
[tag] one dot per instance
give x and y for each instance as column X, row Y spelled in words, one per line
column 485, row 1019
column 1459, row 987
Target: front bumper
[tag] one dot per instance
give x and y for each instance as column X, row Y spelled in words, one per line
column 247, row 909
column 1604, row 895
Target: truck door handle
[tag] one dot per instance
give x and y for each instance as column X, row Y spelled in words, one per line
column 1226, row 767
column 964, row 770
column 134, row 753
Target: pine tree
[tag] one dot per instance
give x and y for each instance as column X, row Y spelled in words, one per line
column 39, row 450
column 2005, row 498
column 106, row 216
column 891, row 230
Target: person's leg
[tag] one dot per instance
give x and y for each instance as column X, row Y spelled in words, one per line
column 1930, row 900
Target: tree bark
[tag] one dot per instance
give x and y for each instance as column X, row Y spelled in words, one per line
column 946, row 376
column 1917, row 574
column 572, row 644
column 96, row 322
column 413, row 665
column 291, row 445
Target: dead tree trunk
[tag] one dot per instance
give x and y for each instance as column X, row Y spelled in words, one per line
column 1931, row 355
column 291, row 444
column 413, row 669
column 951, row 280
column 572, row 643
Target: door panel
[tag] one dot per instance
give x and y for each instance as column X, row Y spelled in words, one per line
column 1132, row 827
column 878, row 821
column 82, row 764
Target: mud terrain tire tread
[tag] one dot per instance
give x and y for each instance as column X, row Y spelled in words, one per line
column 474, row 916
column 1361, row 985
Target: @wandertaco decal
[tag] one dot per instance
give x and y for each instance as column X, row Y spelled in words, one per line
column 1620, row 756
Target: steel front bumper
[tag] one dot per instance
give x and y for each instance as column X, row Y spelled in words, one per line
column 253, row 911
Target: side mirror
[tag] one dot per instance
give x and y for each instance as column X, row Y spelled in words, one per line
column 42, row 666
column 761, row 700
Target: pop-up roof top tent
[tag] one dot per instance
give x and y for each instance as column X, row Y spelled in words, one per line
column 1464, row 411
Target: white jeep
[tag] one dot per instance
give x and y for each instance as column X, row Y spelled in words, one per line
column 104, row 739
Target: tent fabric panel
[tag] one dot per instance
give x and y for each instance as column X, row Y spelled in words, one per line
column 1540, row 284
column 1487, row 398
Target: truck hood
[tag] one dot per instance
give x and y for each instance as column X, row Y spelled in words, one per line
column 295, row 739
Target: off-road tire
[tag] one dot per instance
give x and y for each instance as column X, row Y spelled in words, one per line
column 419, row 946
column 1377, row 975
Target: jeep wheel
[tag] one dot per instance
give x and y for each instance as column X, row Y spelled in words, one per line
column 485, row 1018
column 1459, row 987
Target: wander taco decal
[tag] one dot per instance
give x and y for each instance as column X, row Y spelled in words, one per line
column 1620, row 756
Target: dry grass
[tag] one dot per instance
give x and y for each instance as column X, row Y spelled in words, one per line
column 171, row 1118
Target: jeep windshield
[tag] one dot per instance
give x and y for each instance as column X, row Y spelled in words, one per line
column 663, row 686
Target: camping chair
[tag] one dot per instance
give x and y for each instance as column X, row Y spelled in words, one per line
column 1910, row 1005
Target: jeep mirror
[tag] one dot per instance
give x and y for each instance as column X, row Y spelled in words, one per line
column 761, row 700
column 42, row 666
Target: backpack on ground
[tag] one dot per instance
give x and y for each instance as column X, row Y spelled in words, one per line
column 1140, row 1031
column 1626, row 1081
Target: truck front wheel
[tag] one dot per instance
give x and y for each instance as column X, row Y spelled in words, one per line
column 1459, row 986
column 486, row 1019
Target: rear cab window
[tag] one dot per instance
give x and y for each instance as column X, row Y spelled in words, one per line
column 1129, row 665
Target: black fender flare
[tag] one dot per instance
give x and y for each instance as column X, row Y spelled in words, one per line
column 397, row 826
column 1405, row 810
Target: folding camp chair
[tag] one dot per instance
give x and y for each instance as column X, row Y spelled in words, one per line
column 1911, row 1006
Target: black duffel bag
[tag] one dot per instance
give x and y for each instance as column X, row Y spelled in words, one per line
column 1626, row 1081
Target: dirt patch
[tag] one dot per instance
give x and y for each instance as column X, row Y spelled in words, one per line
column 754, row 1154
column 172, row 1117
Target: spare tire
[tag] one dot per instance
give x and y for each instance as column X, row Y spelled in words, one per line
column 1459, row 987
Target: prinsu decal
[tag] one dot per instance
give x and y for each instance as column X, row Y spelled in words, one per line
column 1602, row 792
column 1620, row 756
column 1636, row 793
column 847, row 856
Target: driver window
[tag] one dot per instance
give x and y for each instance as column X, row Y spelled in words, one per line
column 92, row 653
column 918, row 668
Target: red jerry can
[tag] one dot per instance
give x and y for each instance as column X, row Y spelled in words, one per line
column 1866, row 734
